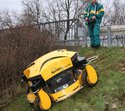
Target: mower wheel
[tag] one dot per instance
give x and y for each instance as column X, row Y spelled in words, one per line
column 86, row 81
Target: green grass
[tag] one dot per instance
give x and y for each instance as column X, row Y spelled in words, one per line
column 109, row 90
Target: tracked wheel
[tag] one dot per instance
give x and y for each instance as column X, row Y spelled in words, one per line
column 90, row 77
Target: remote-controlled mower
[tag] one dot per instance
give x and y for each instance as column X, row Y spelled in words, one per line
column 57, row 76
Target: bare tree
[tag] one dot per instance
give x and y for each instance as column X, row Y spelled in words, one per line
column 32, row 12
column 118, row 14
column 5, row 20
column 53, row 10
column 62, row 10
column 114, row 12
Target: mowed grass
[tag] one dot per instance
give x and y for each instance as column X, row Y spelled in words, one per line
column 108, row 94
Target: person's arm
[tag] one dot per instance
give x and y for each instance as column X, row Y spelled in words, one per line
column 100, row 12
column 85, row 13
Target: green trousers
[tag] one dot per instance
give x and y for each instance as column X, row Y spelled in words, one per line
column 94, row 33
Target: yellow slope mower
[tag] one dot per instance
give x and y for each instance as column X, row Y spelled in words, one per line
column 57, row 76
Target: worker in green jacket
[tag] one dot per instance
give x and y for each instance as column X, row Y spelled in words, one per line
column 93, row 17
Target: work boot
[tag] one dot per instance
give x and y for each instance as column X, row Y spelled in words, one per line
column 95, row 46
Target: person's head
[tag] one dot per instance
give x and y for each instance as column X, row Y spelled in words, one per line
column 94, row 1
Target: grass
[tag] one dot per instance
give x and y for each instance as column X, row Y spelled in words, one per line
column 108, row 94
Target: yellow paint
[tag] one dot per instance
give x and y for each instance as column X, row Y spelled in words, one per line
column 34, row 70
column 31, row 97
column 45, row 102
column 55, row 66
column 91, row 74
column 27, row 73
column 66, row 92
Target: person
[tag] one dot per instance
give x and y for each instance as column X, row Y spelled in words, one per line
column 93, row 17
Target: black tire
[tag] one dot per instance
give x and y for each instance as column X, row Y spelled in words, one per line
column 85, row 81
column 39, row 109
column 32, row 105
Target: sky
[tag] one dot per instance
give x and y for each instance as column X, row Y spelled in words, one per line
column 16, row 5
column 12, row 5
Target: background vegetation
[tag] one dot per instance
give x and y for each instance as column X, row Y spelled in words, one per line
column 18, row 48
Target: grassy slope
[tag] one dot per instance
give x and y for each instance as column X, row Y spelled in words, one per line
column 110, row 89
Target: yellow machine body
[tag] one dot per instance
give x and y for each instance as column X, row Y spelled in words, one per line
column 53, row 59
column 55, row 77
column 45, row 101
column 68, row 92
column 30, row 97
